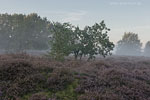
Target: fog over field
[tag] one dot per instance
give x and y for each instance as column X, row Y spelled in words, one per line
column 74, row 50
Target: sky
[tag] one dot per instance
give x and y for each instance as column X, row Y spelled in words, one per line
column 119, row 15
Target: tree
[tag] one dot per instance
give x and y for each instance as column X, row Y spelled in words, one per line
column 78, row 48
column 67, row 39
column 129, row 45
column 93, row 41
column 61, row 40
column 20, row 32
column 37, row 29
column 147, row 49
column 5, row 31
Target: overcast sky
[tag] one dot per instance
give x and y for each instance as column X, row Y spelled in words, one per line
column 120, row 15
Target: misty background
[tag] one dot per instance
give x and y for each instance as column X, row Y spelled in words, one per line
column 120, row 15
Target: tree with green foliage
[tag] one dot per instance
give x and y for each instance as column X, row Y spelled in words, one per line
column 96, row 40
column 61, row 40
column 92, row 41
column 67, row 39
column 130, row 44
column 77, row 46
column 147, row 49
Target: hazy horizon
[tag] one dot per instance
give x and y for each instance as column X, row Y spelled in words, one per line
column 119, row 15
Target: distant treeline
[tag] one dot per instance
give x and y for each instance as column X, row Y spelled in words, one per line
column 19, row 32
column 23, row 32
column 131, row 45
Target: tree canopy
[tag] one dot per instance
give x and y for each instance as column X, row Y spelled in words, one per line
column 130, row 44
column 20, row 32
column 67, row 39
column 147, row 49
column 61, row 40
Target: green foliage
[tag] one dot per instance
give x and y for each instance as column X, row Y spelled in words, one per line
column 59, row 80
column 69, row 93
column 61, row 40
column 129, row 45
column 20, row 32
column 95, row 41
column 67, row 39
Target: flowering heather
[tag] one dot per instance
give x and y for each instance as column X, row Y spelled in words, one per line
column 24, row 77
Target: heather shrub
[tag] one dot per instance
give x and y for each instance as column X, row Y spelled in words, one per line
column 99, row 96
column 20, row 77
column 11, row 70
column 38, row 96
column 59, row 79
column 120, row 78
column 69, row 93
column 123, row 84
column 27, row 85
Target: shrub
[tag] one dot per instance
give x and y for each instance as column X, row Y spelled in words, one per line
column 98, row 96
column 27, row 85
column 120, row 78
column 59, row 79
column 11, row 70
column 38, row 96
column 119, row 82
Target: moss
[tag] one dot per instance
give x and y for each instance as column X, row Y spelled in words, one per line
column 46, row 72
column 26, row 97
column 68, row 93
